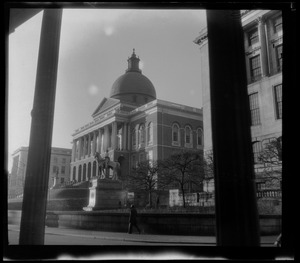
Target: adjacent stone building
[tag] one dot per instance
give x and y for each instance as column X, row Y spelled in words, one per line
column 132, row 125
column 263, row 38
column 59, row 169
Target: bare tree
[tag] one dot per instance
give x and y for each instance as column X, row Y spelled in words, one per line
column 208, row 167
column 270, row 162
column 144, row 177
column 184, row 169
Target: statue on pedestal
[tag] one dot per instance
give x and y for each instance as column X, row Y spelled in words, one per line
column 105, row 164
column 106, row 192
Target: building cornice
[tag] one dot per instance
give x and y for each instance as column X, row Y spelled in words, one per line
column 115, row 114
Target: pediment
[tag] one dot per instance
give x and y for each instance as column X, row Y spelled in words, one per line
column 105, row 104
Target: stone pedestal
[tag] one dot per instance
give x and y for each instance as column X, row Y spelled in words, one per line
column 105, row 194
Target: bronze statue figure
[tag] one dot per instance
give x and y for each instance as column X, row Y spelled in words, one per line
column 105, row 164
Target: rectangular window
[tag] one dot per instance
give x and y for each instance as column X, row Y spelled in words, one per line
column 257, row 148
column 55, row 169
column 278, row 101
column 63, row 169
column 255, row 68
column 278, row 50
column 62, row 180
column 261, row 186
column 253, row 36
column 63, row 160
column 277, row 22
column 254, row 109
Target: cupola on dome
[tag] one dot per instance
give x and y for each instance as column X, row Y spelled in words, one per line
column 133, row 86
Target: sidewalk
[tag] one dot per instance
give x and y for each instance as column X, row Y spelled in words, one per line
column 142, row 238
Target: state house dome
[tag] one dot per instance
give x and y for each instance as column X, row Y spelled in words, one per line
column 133, row 86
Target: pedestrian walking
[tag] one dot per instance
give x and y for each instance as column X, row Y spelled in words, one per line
column 157, row 202
column 132, row 220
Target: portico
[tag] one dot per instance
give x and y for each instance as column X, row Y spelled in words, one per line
column 110, row 137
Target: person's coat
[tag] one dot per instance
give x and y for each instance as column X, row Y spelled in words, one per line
column 133, row 215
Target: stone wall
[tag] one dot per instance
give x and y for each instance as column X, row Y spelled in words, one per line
column 149, row 223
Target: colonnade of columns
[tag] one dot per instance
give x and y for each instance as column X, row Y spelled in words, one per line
column 113, row 136
column 261, row 25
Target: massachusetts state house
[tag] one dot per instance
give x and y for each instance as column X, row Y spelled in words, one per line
column 132, row 125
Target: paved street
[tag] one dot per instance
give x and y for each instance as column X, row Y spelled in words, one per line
column 63, row 236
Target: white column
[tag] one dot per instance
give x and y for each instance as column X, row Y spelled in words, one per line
column 73, row 150
column 124, row 136
column 101, row 141
column 94, row 142
column 262, row 37
column 89, row 145
column 79, row 148
column 114, row 135
column 106, row 138
column 128, row 137
column 137, row 135
column 76, row 147
column 83, row 147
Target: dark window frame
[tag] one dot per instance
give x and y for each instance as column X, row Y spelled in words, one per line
column 255, row 67
column 253, row 37
column 254, row 109
column 278, row 101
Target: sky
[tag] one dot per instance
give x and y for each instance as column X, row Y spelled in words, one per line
column 94, row 47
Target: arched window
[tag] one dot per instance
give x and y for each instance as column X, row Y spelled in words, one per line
column 89, row 171
column 188, row 136
column 94, row 168
column 175, row 135
column 199, row 137
column 150, row 133
column 79, row 173
column 74, row 173
column 142, row 135
column 84, row 173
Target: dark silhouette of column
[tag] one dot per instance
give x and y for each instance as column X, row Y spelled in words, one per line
column 289, row 81
column 32, row 228
column 236, row 208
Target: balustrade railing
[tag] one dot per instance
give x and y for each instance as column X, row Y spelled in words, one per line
column 270, row 193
